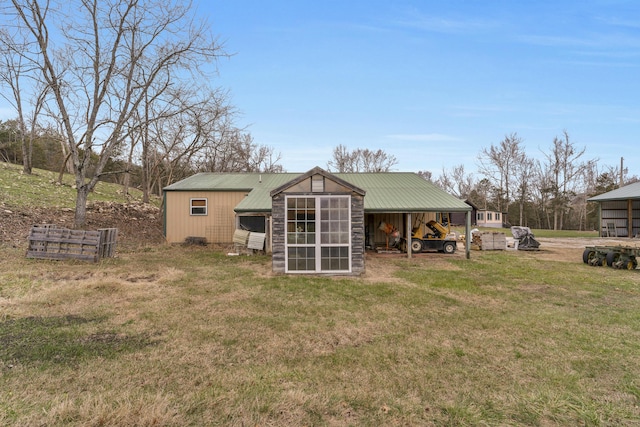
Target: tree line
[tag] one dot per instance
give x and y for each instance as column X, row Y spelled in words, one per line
column 548, row 193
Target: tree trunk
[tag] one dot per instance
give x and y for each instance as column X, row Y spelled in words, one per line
column 27, row 150
column 145, row 180
column 81, row 206
column 26, row 156
column 521, row 213
column 63, row 166
column 126, row 181
column 127, row 174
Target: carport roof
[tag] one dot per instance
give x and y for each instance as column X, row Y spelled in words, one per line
column 631, row 191
column 385, row 192
column 403, row 192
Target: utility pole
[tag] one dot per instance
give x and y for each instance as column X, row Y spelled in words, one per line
column 621, row 171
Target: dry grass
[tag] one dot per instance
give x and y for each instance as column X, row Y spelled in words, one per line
column 178, row 336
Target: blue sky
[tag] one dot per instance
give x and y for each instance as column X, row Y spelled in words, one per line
column 432, row 82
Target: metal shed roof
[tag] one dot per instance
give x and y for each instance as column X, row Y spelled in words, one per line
column 385, row 192
column 220, row 181
column 631, row 191
column 403, row 192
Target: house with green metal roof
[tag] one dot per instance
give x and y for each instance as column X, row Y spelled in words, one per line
column 619, row 211
column 312, row 222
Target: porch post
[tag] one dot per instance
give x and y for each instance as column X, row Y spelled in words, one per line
column 629, row 218
column 467, row 234
column 408, row 234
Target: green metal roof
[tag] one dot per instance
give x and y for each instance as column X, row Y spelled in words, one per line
column 385, row 192
column 259, row 200
column 403, row 192
column 631, row 191
column 220, row 181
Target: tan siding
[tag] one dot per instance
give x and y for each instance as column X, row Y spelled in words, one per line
column 217, row 226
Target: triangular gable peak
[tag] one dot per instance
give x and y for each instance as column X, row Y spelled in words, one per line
column 317, row 180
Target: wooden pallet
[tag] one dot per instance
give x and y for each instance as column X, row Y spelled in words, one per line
column 51, row 242
column 108, row 240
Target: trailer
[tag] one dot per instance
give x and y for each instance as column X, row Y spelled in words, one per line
column 624, row 257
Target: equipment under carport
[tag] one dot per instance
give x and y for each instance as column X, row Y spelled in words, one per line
column 392, row 236
column 436, row 238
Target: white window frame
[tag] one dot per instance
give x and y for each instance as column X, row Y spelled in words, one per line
column 205, row 207
column 317, row 244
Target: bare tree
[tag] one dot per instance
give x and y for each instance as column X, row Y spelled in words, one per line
column 104, row 61
column 235, row 151
column 13, row 72
column 376, row 161
column 360, row 160
column 498, row 164
column 343, row 160
column 481, row 193
column 524, row 174
column 456, row 181
column 427, row 175
column 566, row 173
column 179, row 125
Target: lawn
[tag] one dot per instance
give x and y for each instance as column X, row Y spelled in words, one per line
column 174, row 336
column 41, row 188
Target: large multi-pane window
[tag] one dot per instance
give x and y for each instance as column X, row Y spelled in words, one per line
column 318, row 233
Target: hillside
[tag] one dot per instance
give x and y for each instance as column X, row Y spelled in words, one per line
column 27, row 200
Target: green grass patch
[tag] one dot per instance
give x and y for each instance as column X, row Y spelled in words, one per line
column 41, row 188
column 46, row 341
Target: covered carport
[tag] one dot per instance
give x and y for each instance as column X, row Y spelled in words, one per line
column 619, row 211
column 400, row 198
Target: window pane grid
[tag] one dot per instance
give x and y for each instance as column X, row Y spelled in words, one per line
column 335, row 221
column 198, row 206
column 335, row 258
column 301, row 218
column 301, row 258
column 334, row 227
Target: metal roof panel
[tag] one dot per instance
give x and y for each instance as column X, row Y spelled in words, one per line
column 385, row 192
column 631, row 191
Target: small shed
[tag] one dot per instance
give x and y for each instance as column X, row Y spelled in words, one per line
column 619, row 211
column 460, row 218
column 490, row 218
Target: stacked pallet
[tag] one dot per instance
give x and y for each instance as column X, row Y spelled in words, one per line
column 51, row 242
column 489, row 241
